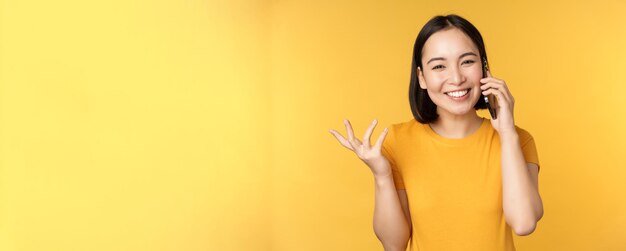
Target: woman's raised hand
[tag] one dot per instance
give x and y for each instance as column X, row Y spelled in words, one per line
column 371, row 155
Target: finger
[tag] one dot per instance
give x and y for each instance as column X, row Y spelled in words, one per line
column 358, row 142
column 490, row 85
column 495, row 92
column 502, row 100
column 494, row 85
column 491, row 79
column 508, row 93
column 344, row 142
column 486, row 86
column 502, row 87
column 353, row 145
column 368, row 134
column 488, row 73
column 351, row 139
column 381, row 138
column 349, row 129
column 356, row 145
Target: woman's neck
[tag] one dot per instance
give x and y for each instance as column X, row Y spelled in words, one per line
column 456, row 126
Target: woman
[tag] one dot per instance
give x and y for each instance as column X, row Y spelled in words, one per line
column 449, row 179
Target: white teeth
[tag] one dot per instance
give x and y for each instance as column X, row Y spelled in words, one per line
column 458, row 93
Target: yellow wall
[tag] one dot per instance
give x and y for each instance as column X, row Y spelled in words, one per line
column 203, row 125
column 134, row 125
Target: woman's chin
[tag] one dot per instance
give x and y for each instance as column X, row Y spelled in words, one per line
column 458, row 110
column 455, row 111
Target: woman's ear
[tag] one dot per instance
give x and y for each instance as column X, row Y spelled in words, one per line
column 420, row 78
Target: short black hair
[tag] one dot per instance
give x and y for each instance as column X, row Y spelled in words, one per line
column 423, row 108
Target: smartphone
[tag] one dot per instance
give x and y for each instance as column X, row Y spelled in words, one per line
column 489, row 99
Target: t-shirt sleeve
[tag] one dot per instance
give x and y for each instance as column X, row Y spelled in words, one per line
column 529, row 149
column 387, row 150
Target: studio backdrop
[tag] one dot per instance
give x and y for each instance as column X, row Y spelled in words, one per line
column 203, row 125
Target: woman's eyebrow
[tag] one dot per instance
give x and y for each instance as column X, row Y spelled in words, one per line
column 462, row 55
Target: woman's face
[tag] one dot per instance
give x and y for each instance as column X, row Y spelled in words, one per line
column 452, row 71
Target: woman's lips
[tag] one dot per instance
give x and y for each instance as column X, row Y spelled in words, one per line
column 459, row 98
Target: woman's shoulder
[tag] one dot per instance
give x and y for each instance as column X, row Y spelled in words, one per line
column 406, row 126
column 523, row 134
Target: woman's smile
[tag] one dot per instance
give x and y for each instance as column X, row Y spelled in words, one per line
column 459, row 95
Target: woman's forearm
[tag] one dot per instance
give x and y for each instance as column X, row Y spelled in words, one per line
column 390, row 224
column 521, row 201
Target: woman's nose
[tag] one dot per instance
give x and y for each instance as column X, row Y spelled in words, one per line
column 456, row 76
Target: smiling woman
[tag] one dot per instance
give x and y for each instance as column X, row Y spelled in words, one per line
column 448, row 78
column 450, row 42
column 448, row 179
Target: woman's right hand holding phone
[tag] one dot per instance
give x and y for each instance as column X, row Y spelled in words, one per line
column 369, row 154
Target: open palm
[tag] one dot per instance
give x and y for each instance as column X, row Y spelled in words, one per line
column 369, row 154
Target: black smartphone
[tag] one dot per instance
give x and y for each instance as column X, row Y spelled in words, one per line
column 489, row 99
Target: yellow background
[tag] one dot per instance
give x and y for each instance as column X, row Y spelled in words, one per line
column 203, row 125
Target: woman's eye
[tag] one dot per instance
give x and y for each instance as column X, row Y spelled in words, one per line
column 437, row 67
column 469, row 61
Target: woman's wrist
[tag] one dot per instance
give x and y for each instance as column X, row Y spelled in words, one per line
column 508, row 136
column 383, row 179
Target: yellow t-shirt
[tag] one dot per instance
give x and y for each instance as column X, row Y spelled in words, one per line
column 454, row 186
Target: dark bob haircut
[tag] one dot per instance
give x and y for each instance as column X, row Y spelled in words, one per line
column 423, row 108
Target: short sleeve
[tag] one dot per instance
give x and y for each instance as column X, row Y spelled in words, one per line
column 388, row 152
column 529, row 149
